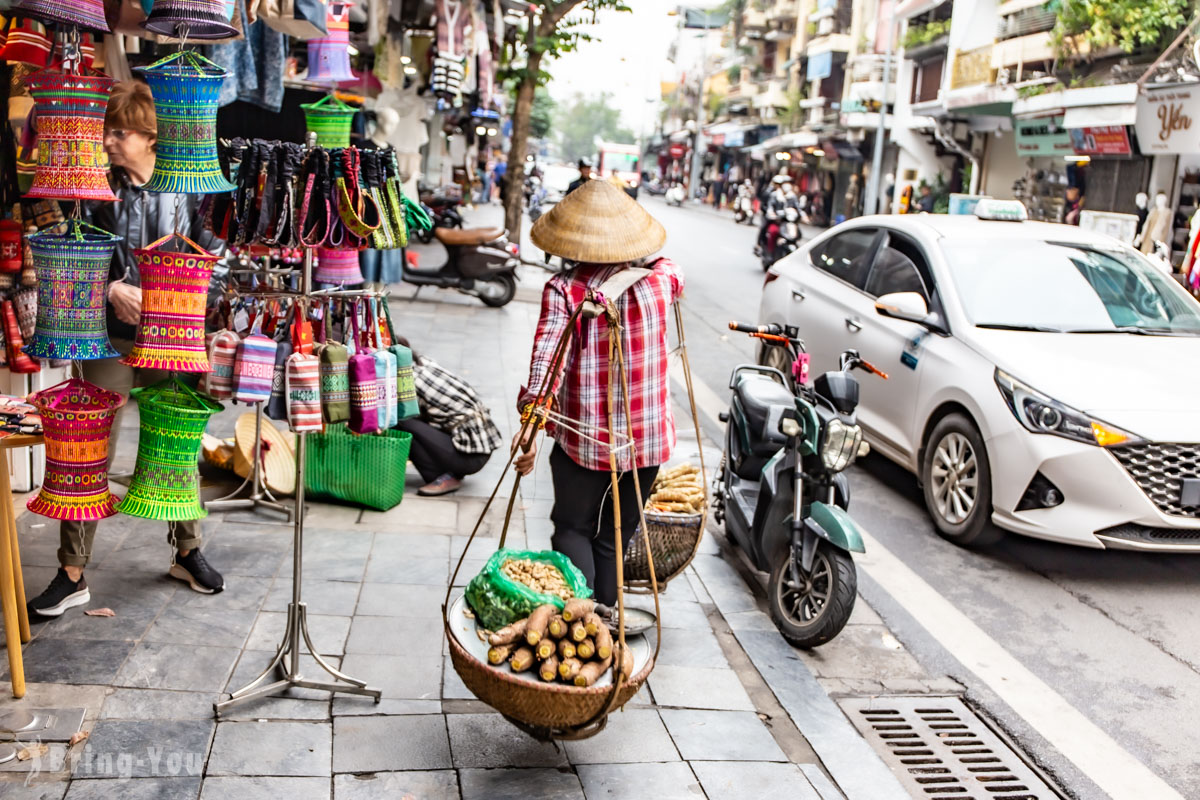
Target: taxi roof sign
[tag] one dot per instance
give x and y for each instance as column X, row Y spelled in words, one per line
column 1001, row 210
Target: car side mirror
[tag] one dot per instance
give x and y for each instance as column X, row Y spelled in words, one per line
column 909, row 307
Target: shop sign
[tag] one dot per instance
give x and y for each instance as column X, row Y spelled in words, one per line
column 1042, row 136
column 718, row 139
column 820, row 66
column 1104, row 140
column 1168, row 120
column 677, row 150
column 735, row 139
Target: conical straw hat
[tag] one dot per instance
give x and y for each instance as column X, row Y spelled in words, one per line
column 279, row 462
column 598, row 224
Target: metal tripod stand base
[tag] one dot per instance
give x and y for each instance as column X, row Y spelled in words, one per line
column 260, row 496
column 287, row 663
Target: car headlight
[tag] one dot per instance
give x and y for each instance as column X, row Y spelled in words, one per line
column 840, row 446
column 1042, row 414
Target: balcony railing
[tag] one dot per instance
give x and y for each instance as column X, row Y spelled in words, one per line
column 783, row 10
column 973, row 67
column 868, row 68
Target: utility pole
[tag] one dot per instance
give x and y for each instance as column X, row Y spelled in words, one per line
column 697, row 158
column 871, row 202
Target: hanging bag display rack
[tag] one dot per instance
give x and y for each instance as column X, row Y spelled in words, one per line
column 548, row 711
column 285, row 665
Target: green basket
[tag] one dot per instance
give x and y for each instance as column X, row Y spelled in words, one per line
column 365, row 470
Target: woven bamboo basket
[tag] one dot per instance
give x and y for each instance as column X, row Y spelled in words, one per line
column 544, row 710
column 674, row 540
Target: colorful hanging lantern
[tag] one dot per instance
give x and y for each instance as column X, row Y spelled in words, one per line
column 329, row 56
column 338, row 267
column 77, row 418
column 185, row 86
column 72, row 164
column 166, row 480
column 170, row 334
column 329, row 118
column 191, row 19
column 84, row 13
column 72, row 270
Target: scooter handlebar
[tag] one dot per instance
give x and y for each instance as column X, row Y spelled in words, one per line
column 774, row 330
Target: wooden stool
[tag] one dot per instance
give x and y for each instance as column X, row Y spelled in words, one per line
column 12, row 586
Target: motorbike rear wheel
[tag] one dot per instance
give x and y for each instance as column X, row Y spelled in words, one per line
column 497, row 290
column 814, row 611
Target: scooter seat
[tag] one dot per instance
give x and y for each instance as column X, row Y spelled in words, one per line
column 467, row 237
column 757, row 393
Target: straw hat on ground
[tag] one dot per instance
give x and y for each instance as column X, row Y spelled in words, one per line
column 598, row 224
column 279, row 462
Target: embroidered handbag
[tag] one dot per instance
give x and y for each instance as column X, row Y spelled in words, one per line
column 407, row 406
column 364, row 390
column 222, row 352
column 385, row 375
column 254, row 366
column 277, row 405
column 303, row 380
column 335, row 375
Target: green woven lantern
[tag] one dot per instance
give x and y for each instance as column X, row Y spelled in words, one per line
column 166, row 481
column 329, row 118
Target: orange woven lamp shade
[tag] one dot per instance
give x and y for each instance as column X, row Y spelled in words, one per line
column 598, row 224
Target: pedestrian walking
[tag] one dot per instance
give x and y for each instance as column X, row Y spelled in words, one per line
column 601, row 231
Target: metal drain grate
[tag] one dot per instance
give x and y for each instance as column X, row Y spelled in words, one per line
column 939, row 748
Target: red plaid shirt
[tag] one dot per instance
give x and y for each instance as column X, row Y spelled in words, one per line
column 581, row 391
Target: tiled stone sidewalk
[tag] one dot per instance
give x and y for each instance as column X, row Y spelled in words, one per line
column 374, row 584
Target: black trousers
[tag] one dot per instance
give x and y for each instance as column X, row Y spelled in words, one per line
column 433, row 452
column 583, row 519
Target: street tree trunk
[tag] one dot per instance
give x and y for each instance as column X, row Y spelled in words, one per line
column 515, row 196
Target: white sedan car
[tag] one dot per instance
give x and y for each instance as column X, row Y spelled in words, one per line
column 1041, row 376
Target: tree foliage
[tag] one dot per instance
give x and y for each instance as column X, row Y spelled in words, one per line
column 541, row 118
column 1128, row 24
column 583, row 120
column 548, row 31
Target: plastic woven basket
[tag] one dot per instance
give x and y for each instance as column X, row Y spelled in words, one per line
column 366, row 470
column 674, row 539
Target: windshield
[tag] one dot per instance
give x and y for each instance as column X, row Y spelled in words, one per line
column 1058, row 286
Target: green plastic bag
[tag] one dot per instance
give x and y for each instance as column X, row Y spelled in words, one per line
column 498, row 600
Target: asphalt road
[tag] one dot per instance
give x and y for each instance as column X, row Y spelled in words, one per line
column 1090, row 660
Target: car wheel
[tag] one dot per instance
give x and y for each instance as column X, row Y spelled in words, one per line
column 958, row 483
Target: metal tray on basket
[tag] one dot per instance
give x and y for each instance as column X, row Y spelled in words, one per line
column 465, row 633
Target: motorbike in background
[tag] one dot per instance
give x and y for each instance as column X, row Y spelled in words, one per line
column 676, row 195
column 781, row 492
column 480, row 262
column 783, row 237
column 743, row 205
column 443, row 209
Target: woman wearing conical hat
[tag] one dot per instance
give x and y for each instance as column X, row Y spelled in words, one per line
column 599, row 231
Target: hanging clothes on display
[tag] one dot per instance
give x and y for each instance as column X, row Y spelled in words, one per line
column 256, row 64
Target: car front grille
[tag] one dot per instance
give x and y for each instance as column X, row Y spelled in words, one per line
column 1160, row 469
column 1144, row 534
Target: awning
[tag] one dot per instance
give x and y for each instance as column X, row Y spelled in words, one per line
column 843, row 150
column 1100, row 116
column 911, row 8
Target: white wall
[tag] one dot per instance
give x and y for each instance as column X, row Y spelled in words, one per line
column 1001, row 166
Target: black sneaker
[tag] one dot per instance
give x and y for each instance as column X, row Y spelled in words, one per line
column 61, row 594
column 197, row 573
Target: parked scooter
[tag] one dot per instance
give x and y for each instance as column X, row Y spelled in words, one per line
column 783, row 237
column 676, row 195
column 479, row 262
column 781, row 492
column 443, row 210
column 743, row 205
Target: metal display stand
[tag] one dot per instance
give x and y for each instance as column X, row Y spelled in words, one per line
column 286, row 663
column 260, row 496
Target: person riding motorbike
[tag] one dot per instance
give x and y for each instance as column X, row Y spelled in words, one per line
column 781, row 197
column 585, row 175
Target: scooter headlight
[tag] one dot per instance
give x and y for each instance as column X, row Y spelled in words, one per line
column 841, row 445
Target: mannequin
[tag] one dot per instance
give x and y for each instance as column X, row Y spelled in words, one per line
column 1158, row 225
column 1142, row 201
column 386, row 120
column 1189, row 260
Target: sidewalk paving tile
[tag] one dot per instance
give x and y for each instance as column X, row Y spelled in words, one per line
column 260, row 788
column 733, row 780
column 863, row 652
column 520, row 784
column 245, row 560
column 191, row 624
column 158, row 704
column 135, row 789
column 433, row 785
column 19, row 790
column 335, row 555
column 697, row 648
column 694, row 687
column 159, row 665
column 272, row 748
column 328, row 632
column 330, row 515
column 395, row 636
column 426, row 545
column 721, row 735
column 634, row 735
column 484, row 741
column 136, row 598
column 453, row 687
column 349, row 705
column 279, row 708
column 337, row 598
column 749, row 621
column 680, row 614
column 673, row 781
column 415, row 514
column 411, row 677
column 240, row 595
column 377, row 744
column 400, row 600
column 144, row 749
column 821, row 782
column 403, row 568
column 726, row 586
column 60, row 661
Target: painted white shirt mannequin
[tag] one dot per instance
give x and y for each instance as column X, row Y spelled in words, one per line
column 1158, row 224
